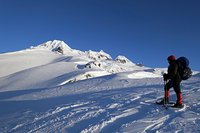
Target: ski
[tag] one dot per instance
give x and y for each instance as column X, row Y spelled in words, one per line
column 170, row 105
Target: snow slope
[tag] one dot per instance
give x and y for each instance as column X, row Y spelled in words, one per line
column 45, row 66
column 45, row 90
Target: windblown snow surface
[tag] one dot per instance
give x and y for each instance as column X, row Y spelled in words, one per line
column 44, row 91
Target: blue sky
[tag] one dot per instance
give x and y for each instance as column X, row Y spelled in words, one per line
column 145, row 31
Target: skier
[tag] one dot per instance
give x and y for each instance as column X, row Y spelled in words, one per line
column 173, row 79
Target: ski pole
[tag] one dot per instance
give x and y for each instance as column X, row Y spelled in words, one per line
column 165, row 98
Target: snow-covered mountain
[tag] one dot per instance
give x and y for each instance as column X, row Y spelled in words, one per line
column 55, row 59
column 54, row 88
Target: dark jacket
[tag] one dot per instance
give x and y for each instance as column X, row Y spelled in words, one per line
column 173, row 73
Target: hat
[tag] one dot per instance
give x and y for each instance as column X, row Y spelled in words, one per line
column 171, row 58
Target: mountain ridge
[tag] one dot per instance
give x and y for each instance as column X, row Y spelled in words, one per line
column 62, row 67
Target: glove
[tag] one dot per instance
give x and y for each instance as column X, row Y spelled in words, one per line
column 165, row 76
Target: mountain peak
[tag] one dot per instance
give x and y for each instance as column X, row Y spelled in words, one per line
column 55, row 45
column 98, row 55
column 122, row 59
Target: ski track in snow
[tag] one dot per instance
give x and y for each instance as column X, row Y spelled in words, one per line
column 114, row 105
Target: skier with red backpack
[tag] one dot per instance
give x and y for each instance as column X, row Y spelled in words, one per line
column 178, row 70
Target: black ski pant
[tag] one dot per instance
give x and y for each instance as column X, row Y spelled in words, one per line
column 175, row 84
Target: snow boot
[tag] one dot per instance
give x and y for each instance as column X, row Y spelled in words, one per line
column 179, row 102
column 165, row 100
column 179, row 98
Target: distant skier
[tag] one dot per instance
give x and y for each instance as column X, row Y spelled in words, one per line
column 173, row 79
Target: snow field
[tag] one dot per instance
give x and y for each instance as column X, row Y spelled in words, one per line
column 53, row 88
